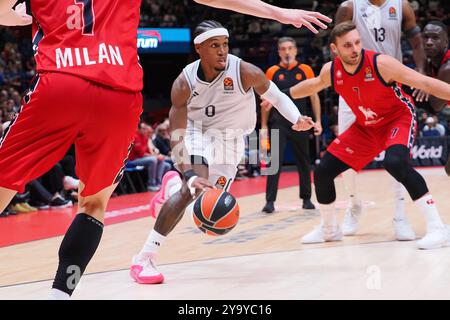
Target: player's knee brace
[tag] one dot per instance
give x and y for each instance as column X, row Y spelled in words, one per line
column 397, row 163
column 324, row 174
column 76, row 250
column 324, row 185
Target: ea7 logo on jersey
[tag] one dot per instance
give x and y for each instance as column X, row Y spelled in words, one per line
column 228, row 84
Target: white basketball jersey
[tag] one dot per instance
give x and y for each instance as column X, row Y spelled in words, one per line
column 221, row 104
column 380, row 27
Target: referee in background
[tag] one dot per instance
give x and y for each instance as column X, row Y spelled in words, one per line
column 286, row 74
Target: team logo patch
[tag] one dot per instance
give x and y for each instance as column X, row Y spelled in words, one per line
column 228, row 84
column 339, row 74
column 221, row 182
column 281, row 77
column 368, row 113
column 368, row 74
column 392, row 12
column 298, row 76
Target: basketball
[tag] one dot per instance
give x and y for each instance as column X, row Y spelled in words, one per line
column 216, row 212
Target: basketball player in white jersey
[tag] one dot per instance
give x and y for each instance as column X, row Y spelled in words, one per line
column 213, row 108
column 380, row 24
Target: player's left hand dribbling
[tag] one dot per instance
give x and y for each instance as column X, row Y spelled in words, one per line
column 304, row 123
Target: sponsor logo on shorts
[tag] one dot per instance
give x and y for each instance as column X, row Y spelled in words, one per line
column 348, row 150
column 394, row 133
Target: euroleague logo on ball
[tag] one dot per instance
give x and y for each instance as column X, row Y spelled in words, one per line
column 216, row 212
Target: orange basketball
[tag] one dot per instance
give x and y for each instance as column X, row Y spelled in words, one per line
column 216, row 212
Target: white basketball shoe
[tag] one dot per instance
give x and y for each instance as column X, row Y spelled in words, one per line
column 143, row 271
column 403, row 230
column 351, row 218
column 435, row 238
column 323, row 233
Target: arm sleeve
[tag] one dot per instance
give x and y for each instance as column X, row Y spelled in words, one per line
column 282, row 102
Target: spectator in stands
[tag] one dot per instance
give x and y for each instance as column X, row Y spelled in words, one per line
column 162, row 139
column 433, row 128
column 144, row 154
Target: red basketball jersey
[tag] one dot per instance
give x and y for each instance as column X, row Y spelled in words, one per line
column 372, row 100
column 443, row 61
column 446, row 57
column 92, row 39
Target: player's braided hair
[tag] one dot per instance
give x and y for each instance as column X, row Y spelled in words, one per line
column 206, row 26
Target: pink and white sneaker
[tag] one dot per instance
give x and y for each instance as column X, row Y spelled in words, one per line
column 169, row 181
column 144, row 271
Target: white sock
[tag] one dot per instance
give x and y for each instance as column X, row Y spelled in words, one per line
column 349, row 177
column 151, row 246
column 429, row 210
column 56, row 294
column 328, row 213
column 399, row 201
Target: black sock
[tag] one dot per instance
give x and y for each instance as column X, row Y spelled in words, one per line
column 76, row 250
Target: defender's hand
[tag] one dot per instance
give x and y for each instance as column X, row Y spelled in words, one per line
column 300, row 18
column 16, row 17
column 420, row 95
column 304, row 123
column 318, row 129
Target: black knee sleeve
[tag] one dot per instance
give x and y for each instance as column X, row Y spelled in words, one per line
column 397, row 163
column 324, row 174
column 76, row 250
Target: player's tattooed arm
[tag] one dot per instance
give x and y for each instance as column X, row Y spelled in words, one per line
column 17, row 16
column 391, row 70
column 258, row 8
column 344, row 12
column 180, row 96
column 309, row 87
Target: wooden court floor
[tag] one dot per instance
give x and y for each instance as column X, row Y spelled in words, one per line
column 262, row 258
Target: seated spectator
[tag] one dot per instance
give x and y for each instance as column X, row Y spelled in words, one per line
column 433, row 128
column 144, row 154
column 56, row 183
column 162, row 139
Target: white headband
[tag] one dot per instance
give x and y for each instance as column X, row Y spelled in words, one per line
column 211, row 33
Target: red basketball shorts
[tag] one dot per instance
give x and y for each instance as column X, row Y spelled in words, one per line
column 359, row 145
column 60, row 110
